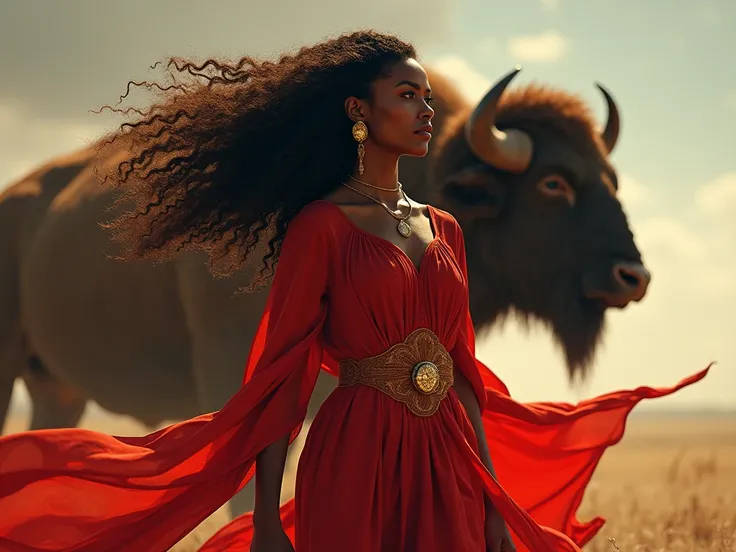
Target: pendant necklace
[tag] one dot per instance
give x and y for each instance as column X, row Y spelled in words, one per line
column 403, row 227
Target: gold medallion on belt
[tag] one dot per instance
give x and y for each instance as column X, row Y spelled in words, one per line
column 417, row 372
column 426, row 376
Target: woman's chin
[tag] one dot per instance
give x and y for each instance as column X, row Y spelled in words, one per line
column 417, row 151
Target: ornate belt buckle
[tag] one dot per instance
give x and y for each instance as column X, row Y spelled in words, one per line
column 426, row 377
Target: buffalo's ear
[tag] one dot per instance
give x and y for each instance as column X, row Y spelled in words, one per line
column 473, row 192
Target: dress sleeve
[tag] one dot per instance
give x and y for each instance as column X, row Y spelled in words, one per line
column 288, row 343
column 463, row 352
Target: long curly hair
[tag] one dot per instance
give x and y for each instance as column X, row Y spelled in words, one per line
column 230, row 152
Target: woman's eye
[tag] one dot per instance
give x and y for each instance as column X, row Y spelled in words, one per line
column 412, row 94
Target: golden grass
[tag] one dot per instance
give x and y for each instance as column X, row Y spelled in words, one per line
column 669, row 486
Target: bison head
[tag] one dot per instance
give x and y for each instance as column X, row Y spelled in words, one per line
column 528, row 177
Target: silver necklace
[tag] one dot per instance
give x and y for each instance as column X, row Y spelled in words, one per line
column 403, row 227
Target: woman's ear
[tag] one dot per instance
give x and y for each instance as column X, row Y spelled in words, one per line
column 355, row 109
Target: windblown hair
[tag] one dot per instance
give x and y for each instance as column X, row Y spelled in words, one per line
column 232, row 151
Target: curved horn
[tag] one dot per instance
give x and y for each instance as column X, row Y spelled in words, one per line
column 613, row 126
column 508, row 151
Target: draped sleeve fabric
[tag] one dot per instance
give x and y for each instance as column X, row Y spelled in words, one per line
column 78, row 490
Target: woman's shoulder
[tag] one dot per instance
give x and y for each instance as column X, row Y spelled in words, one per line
column 318, row 222
column 319, row 214
column 446, row 224
column 443, row 215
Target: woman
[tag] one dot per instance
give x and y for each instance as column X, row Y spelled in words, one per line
column 302, row 155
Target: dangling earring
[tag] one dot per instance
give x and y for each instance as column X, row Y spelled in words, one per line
column 360, row 133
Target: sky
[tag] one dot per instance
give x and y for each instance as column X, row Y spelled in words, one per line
column 668, row 63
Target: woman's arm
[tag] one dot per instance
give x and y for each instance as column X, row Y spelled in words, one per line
column 468, row 399
column 270, row 465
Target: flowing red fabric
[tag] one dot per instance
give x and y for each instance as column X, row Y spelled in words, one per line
column 373, row 477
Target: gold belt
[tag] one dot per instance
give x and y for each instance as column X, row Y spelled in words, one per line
column 417, row 372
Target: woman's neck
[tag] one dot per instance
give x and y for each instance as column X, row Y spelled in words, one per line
column 383, row 173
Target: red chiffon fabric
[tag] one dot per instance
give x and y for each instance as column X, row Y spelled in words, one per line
column 372, row 477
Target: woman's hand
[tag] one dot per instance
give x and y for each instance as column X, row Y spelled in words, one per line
column 270, row 539
column 498, row 538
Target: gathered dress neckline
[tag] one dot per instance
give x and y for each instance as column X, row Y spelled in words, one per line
column 388, row 243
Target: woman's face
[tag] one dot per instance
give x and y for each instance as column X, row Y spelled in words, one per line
column 398, row 115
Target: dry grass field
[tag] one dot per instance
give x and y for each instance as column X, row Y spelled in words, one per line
column 669, row 486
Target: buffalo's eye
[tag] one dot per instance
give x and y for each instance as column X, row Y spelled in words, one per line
column 557, row 186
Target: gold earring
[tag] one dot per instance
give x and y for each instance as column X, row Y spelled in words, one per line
column 360, row 133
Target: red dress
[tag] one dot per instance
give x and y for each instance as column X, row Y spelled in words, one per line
column 373, row 477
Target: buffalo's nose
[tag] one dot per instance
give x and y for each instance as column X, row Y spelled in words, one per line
column 632, row 279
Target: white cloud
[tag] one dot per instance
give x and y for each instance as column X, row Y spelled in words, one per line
column 715, row 202
column 544, row 47
column 632, row 193
column 26, row 140
column 693, row 249
column 718, row 197
column 469, row 80
column 488, row 47
column 667, row 235
column 685, row 260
